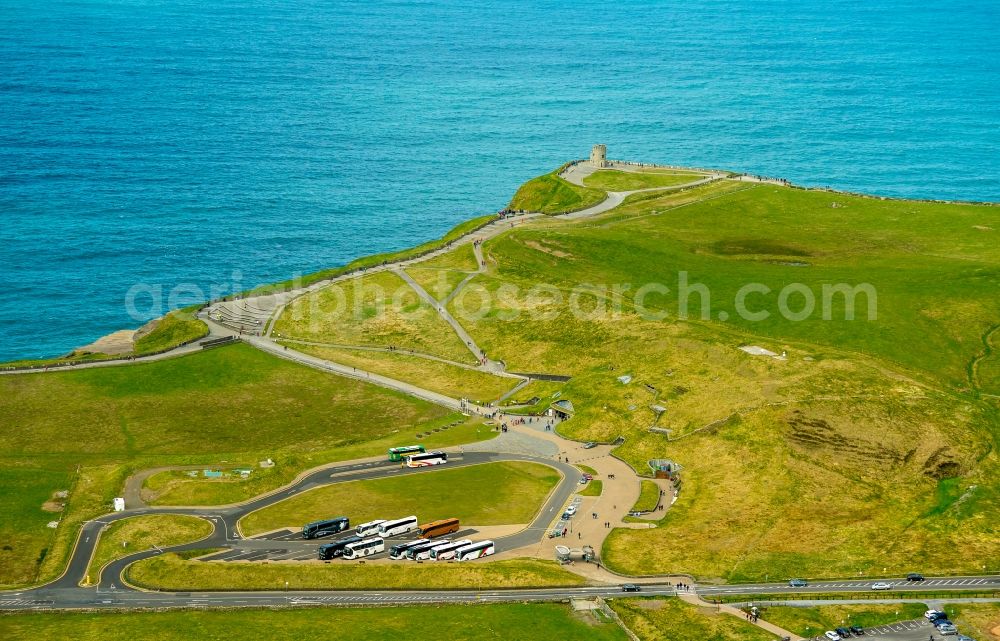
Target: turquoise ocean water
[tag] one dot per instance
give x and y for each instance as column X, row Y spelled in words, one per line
column 169, row 142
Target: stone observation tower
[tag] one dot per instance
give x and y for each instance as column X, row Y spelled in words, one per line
column 599, row 156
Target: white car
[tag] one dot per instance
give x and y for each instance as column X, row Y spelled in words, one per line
column 832, row 636
column 570, row 511
column 932, row 614
column 881, row 585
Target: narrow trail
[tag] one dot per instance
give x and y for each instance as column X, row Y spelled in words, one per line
column 988, row 351
column 780, row 632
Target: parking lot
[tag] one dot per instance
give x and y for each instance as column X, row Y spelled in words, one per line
column 916, row 630
column 288, row 545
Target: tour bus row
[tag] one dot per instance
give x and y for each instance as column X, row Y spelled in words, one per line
column 356, row 547
column 416, row 456
column 380, row 527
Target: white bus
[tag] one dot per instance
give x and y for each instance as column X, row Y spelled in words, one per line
column 364, row 548
column 398, row 526
column 446, row 552
column 430, row 458
column 411, row 553
column 371, row 527
column 398, row 551
column 425, row 553
column 475, row 551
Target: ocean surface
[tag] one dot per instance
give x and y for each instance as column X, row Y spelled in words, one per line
column 178, row 146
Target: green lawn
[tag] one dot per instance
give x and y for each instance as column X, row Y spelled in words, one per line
column 550, row 194
column 614, row 180
column 673, row 619
column 649, row 497
column 593, row 488
column 169, row 572
column 450, row 380
column 810, row 622
column 488, row 494
column 83, row 431
column 140, row 533
column 377, row 310
column 516, row 621
column 173, row 329
column 177, row 488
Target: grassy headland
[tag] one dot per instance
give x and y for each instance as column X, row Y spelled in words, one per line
column 550, row 194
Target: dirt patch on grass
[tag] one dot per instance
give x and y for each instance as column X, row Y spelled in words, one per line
column 985, row 228
column 653, row 604
column 755, row 246
column 52, row 506
column 544, row 248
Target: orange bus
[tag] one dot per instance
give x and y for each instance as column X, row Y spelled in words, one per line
column 438, row 528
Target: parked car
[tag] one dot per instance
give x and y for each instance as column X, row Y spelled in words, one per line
column 857, row 630
column 941, row 622
column 831, row 635
column 947, row 629
column 843, row 632
column 798, row 583
column 570, row 511
column 914, row 577
column 589, row 445
column 630, row 587
column 930, row 615
column 881, row 585
column 962, row 637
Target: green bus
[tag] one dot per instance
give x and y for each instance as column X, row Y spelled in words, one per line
column 396, row 454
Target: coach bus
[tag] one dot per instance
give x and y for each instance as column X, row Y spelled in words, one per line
column 423, row 460
column 326, row 527
column 371, row 527
column 364, row 548
column 445, row 552
column 398, row 526
column 335, row 549
column 411, row 553
column 398, row 551
column 396, row 454
column 475, row 551
column 438, row 528
column 426, row 553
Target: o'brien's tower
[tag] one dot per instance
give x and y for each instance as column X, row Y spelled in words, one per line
column 599, row 156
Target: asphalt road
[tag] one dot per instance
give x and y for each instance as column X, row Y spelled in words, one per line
column 65, row 593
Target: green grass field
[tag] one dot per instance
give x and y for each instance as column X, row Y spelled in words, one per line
column 377, row 310
column 867, row 423
column 178, row 488
column 489, row 494
column 593, row 488
column 814, row 621
column 140, row 533
column 550, row 194
column 444, row 378
column 83, row 431
column 517, row 622
column 170, row 572
column 679, row 621
column 614, row 180
column 173, row 329
column 980, row 621
column 649, row 497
